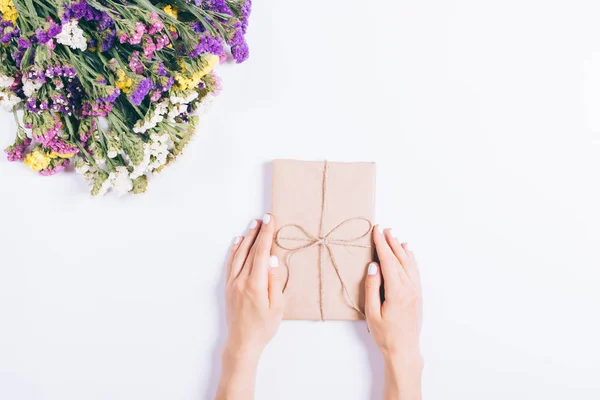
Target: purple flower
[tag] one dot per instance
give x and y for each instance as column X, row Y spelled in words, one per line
column 59, row 166
column 31, row 105
column 111, row 98
column 109, row 40
column 8, row 31
column 106, row 22
column 42, row 36
column 66, row 16
column 219, row 6
column 170, row 83
column 160, row 70
column 245, row 14
column 5, row 38
column 140, row 92
column 54, row 30
column 197, row 27
column 83, row 10
column 207, row 44
column 23, row 44
column 239, row 48
column 17, row 151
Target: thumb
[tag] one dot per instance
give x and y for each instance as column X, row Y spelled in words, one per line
column 372, row 291
column 275, row 289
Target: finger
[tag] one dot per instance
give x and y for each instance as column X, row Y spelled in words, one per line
column 373, row 291
column 398, row 264
column 275, row 285
column 241, row 255
column 236, row 244
column 403, row 256
column 410, row 253
column 260, row 267
column 413, row 265
column 388, row 262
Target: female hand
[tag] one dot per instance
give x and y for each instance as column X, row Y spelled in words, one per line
column 395, row 322
column 254, row 308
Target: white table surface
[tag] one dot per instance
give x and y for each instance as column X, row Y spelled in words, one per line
column 484, row 119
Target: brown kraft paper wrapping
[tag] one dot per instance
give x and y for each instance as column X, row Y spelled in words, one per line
column 323, row 213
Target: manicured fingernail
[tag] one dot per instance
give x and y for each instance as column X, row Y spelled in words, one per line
column 372, row 269
column 378, row 229
column 237, row 239
column 273, row 262
column 266, row 219
column 391, row 233
column 405, row 245
column 253, row 224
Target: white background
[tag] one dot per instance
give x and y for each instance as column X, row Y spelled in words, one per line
column 484, row 119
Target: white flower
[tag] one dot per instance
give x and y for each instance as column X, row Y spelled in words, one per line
column 82, row 168
column 156, row 154
column 184, row 100
column 159, row 149
column 204, row 104
column 6, row 81
column 175, row 111
column 141, row 168
column 31, row 86
column 72, row 36
column 8, row 100
column 106, row 185
column 145, row 124
column 121, row 181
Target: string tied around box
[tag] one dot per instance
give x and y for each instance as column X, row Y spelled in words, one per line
column 325, row 242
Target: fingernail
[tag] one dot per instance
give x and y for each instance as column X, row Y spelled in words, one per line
column 266, row 219
column 378, row 228
column 237, row 239
column 273, row 262
column 372, row 269
column 253, row 224
column 391, row 233
column 405, row 245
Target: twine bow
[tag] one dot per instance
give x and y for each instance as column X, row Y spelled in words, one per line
column 325, row 243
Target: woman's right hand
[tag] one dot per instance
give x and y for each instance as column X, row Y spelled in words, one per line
column 395, row 320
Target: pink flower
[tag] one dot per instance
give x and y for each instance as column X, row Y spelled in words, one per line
column 156, row 24
column 149, row 48
column 135, row 64
column 162, row 41
column 140, row 29
column 155, row 96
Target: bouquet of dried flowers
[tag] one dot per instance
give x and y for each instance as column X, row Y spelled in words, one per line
column 113, row 86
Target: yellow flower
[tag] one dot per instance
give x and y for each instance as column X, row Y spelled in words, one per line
column 8, row 10
column 123, row 81
column 185, row 83
column 37, row 160
column 56, row 155
column 211, row 63
column 171, row 10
